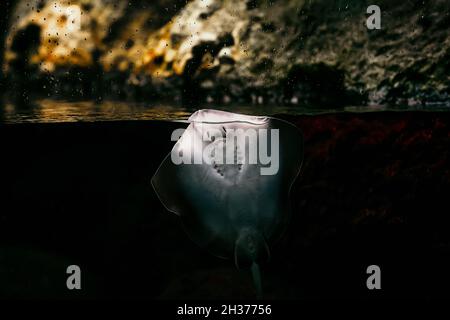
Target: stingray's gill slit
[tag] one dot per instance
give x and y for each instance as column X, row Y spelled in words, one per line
column 233, row 210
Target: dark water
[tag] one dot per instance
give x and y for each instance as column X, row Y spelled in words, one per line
column 80, row 193
column 48, row 110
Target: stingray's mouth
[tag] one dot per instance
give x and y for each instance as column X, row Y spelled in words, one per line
column 229, row 170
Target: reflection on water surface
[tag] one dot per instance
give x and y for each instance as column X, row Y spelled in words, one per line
column 49, row 110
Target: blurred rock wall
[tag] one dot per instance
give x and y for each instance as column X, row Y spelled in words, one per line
column 308, row 52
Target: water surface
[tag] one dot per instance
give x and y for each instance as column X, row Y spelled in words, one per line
column 50, row 110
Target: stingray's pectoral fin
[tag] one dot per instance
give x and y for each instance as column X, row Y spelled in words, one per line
column 251, row 250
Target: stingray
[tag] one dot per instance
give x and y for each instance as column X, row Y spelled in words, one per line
column 235, row 210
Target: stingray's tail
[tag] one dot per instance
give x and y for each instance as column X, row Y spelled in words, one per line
column 256, row 274
column 250, row 251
